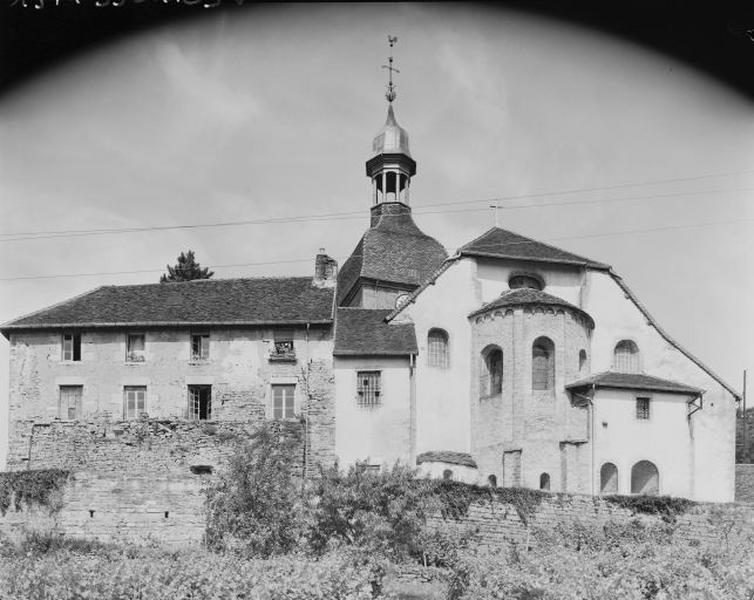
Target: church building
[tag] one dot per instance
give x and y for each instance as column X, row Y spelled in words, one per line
column 509, row 362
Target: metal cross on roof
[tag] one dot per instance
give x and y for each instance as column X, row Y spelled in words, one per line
column 390, row 94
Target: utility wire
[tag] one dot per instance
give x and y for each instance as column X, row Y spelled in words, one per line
column 491, row 246
column 33, row 235
column 352, row 215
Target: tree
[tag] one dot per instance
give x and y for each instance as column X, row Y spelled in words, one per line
column 186, row 269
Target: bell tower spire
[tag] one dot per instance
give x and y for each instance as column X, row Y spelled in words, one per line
column 391, row 166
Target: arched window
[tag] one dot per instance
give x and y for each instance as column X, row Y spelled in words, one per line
column 437, row 348
column 645, row 479
column 544, row 481
column 543, row 364
column 525, row 280
column 582, row 360
column 626, row 357
column 609, row 479
column 491, row 376
column 447, row 474
column 492, row 481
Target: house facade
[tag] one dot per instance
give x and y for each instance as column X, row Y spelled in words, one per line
column 508, row 362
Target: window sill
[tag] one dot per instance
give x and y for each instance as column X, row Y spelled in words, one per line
column 491, row 396
column 199, row 361
column 282, row 358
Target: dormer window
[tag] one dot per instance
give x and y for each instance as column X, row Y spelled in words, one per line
column 525, row 280
column 135, row 347
column 283, row 345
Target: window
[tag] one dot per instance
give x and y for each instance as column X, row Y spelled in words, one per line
column 642, row 408
column 71, row 346
column 447, row 474
column 609, row 479
column 282, row 401
column 544, row 481
column 283, row 349
column 492, row 480
column 582, row 360
column 543, row 364
column 491, row 377
column 134, row 401
column 645, row 479
column 199, row 346
column 200, row 402
column 525, row 281
column 368, row 388
column 135, row 347
column 437, row 348
column 626, row 357
column 70, row 402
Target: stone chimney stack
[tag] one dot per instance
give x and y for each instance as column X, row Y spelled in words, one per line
column 325, row 270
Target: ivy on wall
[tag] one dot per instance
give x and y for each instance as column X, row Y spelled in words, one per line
column 27, row 488
column 456, row 497
column 667, row 507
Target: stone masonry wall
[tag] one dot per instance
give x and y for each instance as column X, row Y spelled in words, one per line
column 498, row 523
column 136, row 481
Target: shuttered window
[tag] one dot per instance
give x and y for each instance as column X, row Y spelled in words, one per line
column 626, row 357
column 437, row 348
column 282, row 401
column 134, row 401
column 70, row 401
column 543, row 364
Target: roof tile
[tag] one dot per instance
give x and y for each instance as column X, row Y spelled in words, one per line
column 258, row 300
column 363, row 331
column 632, row 381
column 501, row 243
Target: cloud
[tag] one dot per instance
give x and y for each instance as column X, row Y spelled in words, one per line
column 203, row 91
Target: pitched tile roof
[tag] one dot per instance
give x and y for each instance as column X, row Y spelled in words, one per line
column 363, row 331
column 632, row 381
column 501, row 243
column 530, row 297
column 447, row 456
column 206, row 301
column 393, row 250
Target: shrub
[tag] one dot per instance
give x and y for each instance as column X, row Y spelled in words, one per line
column 28, row 488
column 254, row 505
column 383, row 512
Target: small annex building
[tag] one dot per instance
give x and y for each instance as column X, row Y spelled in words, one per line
column 508, row 362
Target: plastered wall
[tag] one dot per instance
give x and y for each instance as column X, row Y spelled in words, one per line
column 378, row 434
column 617, row 318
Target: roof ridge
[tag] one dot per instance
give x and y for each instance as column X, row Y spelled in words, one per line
column 205, row 281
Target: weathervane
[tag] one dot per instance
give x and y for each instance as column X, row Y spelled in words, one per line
column 390, row 94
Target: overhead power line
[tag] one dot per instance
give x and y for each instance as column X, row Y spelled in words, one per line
column 347, row 215
column 491, row 246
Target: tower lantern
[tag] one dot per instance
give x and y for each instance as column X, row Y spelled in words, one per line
column 391, row 166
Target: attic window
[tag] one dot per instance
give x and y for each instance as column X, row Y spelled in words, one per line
column 525, row 281
column 135, row 347
column 283, row 349
column 71, row 346
column 199, row 346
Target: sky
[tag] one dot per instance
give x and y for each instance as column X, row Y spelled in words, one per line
column 270, row 114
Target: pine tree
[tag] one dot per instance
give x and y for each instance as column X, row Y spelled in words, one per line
column 186, row 269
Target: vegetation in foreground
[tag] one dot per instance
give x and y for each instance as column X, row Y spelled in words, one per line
column 352, row 532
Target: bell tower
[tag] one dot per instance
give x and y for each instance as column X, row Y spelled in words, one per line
column 391, row 166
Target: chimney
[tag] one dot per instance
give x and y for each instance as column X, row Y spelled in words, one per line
column 325, row 270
